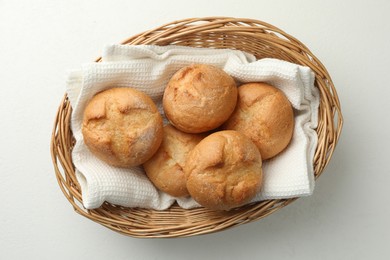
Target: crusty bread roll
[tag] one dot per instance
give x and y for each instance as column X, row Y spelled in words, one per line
column 122, row 127
column 165, row 168
column 224, row 170
column 199, row 98
column 265, row 115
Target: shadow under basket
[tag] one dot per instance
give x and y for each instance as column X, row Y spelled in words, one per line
column 258, row 38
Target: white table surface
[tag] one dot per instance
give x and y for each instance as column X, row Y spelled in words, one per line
column 346, row 218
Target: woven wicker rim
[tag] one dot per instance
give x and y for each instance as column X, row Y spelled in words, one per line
column 256, row 37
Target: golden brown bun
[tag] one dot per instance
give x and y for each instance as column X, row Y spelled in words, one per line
column 224, row 170
column 199, row 98
column 165, row 168
column 265, row 115
column 122, row 127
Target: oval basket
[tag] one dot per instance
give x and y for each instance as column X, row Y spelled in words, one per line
column 256, row 37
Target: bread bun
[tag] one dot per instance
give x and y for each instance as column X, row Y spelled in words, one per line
column 165, row 168
column 224, row 171
column 122, row 127
column 265, row 115
column 199, row 98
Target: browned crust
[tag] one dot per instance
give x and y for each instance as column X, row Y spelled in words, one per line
column 122, row 127
column 199, row 98
column 224, row 170
column 165, row 168
column 264, row 114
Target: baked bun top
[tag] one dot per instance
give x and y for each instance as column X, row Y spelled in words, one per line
column 199, row 98
column 264, row 114
column 122, row 127
column 224, row 170
column 165, row 168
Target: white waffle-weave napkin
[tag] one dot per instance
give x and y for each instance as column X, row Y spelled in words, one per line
column 148, row 68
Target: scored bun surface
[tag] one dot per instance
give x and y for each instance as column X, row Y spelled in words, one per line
column 224, row 171
column 122, row 127
column 199, row 98
column 165, row 168
column 265, row 115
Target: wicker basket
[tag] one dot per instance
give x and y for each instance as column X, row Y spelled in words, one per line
column 256, row 37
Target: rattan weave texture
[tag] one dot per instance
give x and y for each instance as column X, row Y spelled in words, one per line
column 256, row 37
